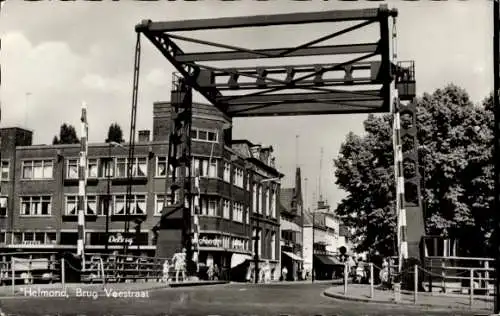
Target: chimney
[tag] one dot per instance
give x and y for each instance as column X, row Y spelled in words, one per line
column 144, row 136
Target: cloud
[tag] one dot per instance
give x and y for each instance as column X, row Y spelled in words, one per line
column 158, row 77
column 104, row 84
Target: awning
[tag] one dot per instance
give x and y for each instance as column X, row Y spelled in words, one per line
column 238, row 259
column 293, row 256
column 328, row 260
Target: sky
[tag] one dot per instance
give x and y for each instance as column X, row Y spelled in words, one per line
column 57, row 54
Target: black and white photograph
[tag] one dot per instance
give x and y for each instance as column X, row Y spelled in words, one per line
column 227, row 158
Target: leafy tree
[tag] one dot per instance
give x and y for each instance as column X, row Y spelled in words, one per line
column 455, row 139
column 115, row 134
column 67, row 135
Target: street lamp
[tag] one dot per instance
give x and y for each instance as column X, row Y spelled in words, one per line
column 108, row 198
column 257, row 235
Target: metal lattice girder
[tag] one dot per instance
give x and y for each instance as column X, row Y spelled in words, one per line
column 270, row 20
column 346, row 75
column 277, row 52
column 305, row 108
column 313, row 77
column 337, row 96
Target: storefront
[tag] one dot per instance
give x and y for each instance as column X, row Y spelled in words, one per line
column 225, row 252
column 40, row 241
column 326, row 267
column 293, row 264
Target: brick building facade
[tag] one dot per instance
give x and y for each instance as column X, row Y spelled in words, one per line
column 40, row 184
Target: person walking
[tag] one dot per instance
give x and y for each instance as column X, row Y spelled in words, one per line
column 179, row 260
column 284, row 273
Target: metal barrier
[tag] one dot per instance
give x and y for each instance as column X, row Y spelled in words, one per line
column 121, row 268
column 29, row 268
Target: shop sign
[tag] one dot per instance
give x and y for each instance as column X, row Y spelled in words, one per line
column 238, row 244
column 210, row 242
column 119, row 239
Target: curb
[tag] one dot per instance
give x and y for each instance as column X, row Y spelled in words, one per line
column 392, row 302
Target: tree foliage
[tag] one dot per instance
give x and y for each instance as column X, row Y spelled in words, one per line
column 455, row 148
column 115, row 134
column 67, row 135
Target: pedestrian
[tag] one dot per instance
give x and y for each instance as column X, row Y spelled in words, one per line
column 179, row 260
column 284, row 272
column 210, row 272
column 166, row 268
column 216, row 272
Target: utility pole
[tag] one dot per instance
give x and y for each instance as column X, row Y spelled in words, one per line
column 496, row 149
column 313, row 237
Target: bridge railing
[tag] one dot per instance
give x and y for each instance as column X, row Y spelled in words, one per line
column 120, row 268
column 29, row 268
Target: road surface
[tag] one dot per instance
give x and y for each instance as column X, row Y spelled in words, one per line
column 229, row 299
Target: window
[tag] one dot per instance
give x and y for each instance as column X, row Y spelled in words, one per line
column 102, row 210
column 254, row 198
column 208, row 206
column 273, row 204
column 121, row 167
column 106, row 167
column 204, row 167
column 238, row 177
column 72, row 169
column 4, row 172
column 139, row 167
column 273, row 246
column 34, row 238
column 159, row 202
column 137, row 204
column 212, row 169
column 226, row 212
column 36, row 205
column 3, row 206
column 37, row 169
column 71, row 205
column 50, row 238
column 248, row 215
column 204, row 135
column 238, row 212
column 259, row 237
column 92, row 168
column 259, row 194
column 91, row 205
column 227, row 172
column 161, row 166
column 266, row 207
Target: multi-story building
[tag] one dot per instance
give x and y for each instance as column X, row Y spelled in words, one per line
column 291, row 204
column 322, row 240
column 39, row 189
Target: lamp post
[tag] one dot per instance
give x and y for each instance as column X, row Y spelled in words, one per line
column 108, row 198
column 257, row 235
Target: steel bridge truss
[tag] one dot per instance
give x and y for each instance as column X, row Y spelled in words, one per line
column 331, row 88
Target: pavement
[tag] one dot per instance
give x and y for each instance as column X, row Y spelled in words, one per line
column 285, row 298
column 361, row 293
